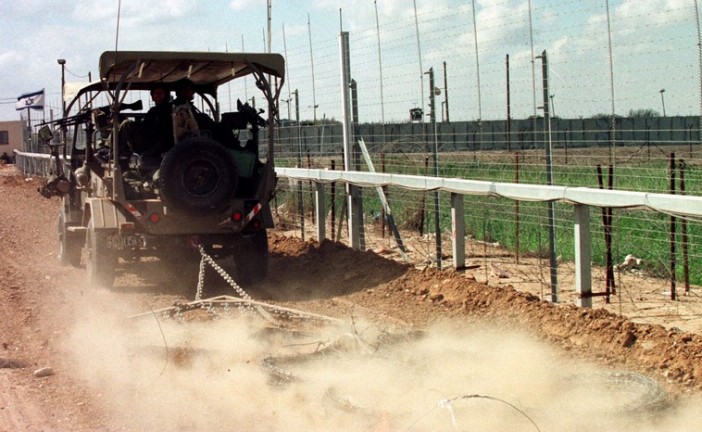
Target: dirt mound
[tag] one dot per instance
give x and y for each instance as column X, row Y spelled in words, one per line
column 672, row 354
column 421, row 297
column 325, row 269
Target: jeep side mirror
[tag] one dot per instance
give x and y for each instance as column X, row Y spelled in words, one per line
column 45, row 134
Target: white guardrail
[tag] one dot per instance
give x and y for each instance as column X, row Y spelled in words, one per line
column 581, row 198
column 677, row 205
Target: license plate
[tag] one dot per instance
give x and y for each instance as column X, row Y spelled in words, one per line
column 134, row 241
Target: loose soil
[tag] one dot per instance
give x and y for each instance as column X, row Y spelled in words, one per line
column 49, row 317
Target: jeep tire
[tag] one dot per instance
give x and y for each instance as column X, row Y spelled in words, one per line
column 101, row 259
column 198, row 176
column 70, row 246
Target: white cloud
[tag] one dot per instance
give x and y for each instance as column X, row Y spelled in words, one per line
column 641, row 12
column 245, row 4
column 26, row 8
column 133, row 12
column 499, row 22
column 8, row 58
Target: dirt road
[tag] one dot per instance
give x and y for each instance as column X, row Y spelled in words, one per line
column 411, row 350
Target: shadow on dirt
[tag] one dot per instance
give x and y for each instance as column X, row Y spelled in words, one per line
column 153, row 276
column 302, row 270
column 156, row 277
column 297, row 270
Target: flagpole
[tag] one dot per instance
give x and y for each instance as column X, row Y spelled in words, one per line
column 29, row 129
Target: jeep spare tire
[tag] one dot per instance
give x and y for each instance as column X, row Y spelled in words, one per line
column 198, row 175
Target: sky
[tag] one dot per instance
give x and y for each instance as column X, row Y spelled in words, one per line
column 654, row 46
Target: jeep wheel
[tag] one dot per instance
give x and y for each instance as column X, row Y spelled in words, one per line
column 101, row 260
column 70, row 247
column 251, row 259
column 198, row 176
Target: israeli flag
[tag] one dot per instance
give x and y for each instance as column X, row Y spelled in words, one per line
column 31, row 100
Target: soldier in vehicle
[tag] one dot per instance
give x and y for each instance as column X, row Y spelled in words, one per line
column 188, row 121
column 150, row 140
column 157, row 126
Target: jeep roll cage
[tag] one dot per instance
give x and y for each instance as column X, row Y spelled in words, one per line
column 122, row 71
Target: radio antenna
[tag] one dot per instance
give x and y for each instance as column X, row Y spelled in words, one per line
column 119, row 9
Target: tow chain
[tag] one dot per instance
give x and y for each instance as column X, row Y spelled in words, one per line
column 244, row 302
column 206, row 259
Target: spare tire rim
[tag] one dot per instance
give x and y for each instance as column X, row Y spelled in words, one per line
column 201, row 178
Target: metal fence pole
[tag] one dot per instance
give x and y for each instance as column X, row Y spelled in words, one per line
column 300, row 194
column 583, row 272
column 437, row 216
column 351, row 190
column 458, row 231
column 320, row 211
column 549, row 180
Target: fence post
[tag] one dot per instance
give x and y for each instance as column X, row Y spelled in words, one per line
column 549, row 180
column 458, row 231
column 355, row 217
column 320, row 206
column 333, row 202
column 437, row 216
column 683, row 227
column 583, row 258
column 673, row 294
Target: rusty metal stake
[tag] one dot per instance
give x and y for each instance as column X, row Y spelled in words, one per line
column 516, row 210
column 333, row 201
column 309, row 166
column 385, row 192
column 683, row 227
column 608, row 245
column 672, row 230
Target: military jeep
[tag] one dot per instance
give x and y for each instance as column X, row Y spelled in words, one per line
column 211, row 190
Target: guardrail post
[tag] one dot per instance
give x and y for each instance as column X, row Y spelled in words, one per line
column 458, row 231
column 583, row 257
column 320, row 206
column 355, row 216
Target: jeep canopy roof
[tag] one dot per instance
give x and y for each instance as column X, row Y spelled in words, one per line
column 207, row 70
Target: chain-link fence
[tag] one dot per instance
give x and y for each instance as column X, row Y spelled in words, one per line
column 567, row 93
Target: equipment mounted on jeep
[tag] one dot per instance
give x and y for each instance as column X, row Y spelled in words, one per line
column 211, row 187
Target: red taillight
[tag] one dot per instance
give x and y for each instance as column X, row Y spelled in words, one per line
column 192, row 242
column 237, row 216
column 154, row 218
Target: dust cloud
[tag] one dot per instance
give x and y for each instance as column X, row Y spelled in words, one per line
column 237, row 372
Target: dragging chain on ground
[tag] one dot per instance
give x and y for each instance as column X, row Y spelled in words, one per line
column 244, row 301
column 206, row 259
